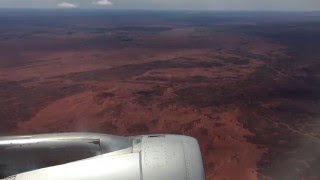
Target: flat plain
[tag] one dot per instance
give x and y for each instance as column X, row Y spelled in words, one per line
column 245, row 84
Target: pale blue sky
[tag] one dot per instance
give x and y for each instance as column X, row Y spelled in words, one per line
column 287, row 5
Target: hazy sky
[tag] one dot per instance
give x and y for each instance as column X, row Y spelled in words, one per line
column 291, row 5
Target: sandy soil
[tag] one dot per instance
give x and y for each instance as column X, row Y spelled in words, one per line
column 249, row 95
column 116, row 111
column 144, row 100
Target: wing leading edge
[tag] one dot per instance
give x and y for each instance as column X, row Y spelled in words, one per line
column 149, row 157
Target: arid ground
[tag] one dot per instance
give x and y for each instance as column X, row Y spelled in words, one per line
column 245, row 84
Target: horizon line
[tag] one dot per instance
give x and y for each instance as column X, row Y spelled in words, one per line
column 150, row 9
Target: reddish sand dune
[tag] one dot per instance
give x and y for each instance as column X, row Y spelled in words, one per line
column 247, row 87
column 123, row 111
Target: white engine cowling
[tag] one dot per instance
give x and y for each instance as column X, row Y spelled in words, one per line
column 151, row 157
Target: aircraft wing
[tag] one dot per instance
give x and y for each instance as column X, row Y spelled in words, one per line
column 149, row 157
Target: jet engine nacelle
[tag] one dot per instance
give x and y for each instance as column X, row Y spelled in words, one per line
column 148, row 157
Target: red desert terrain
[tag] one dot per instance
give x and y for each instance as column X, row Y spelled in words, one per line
column 245, row 85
